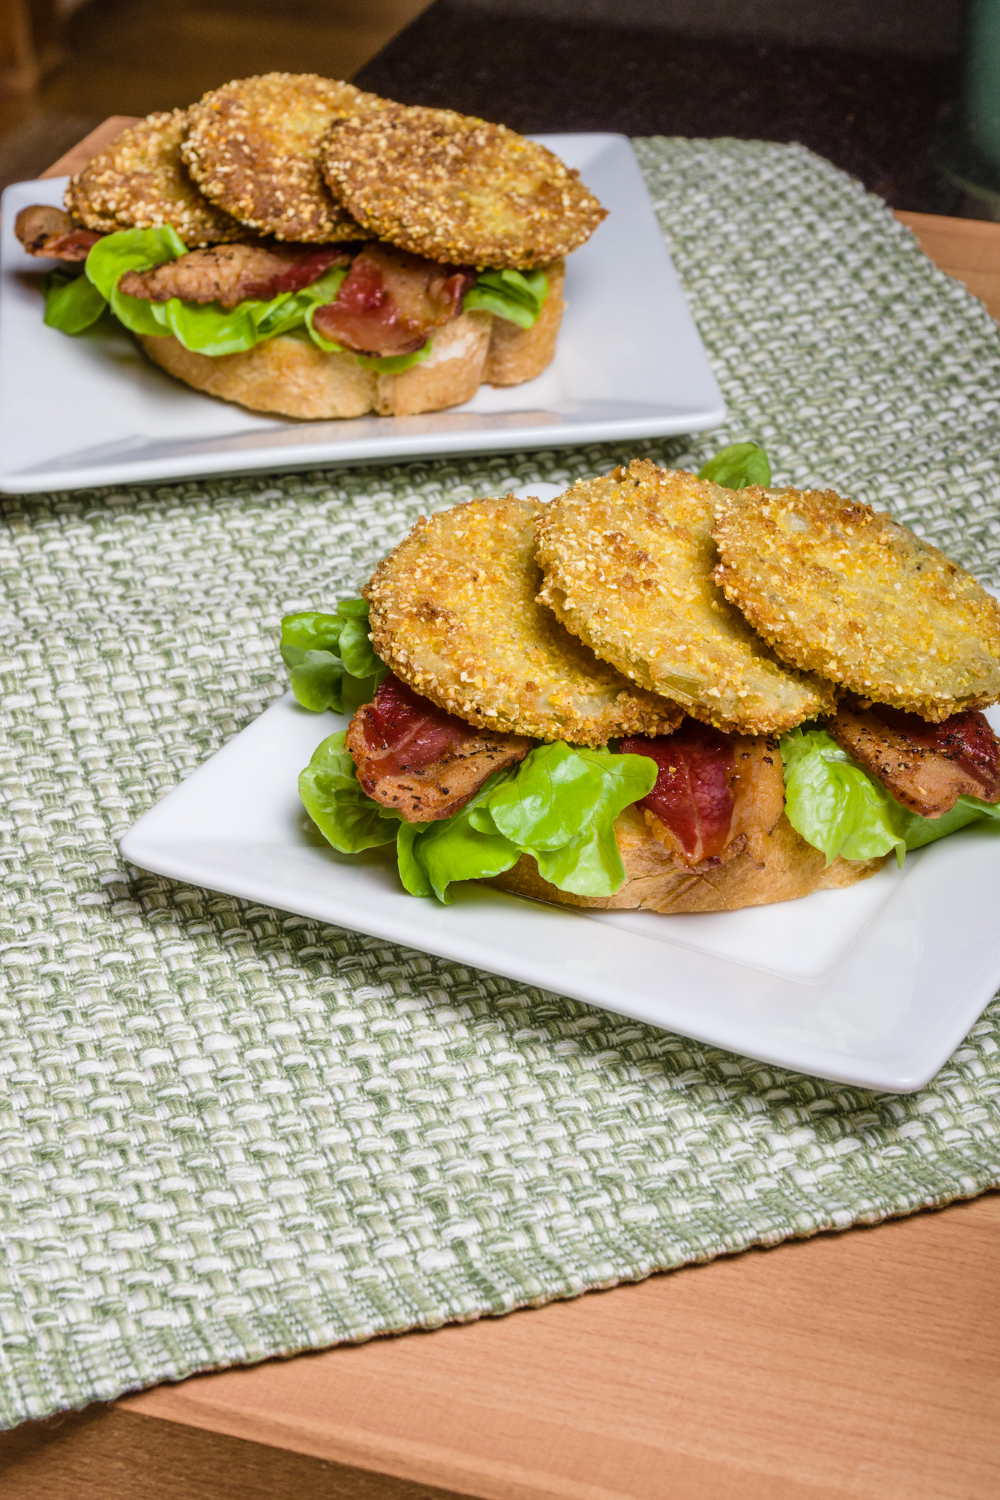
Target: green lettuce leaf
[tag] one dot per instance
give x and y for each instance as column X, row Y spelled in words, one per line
column 71, row 303
column 431, row 856
column 737, row 466
column 838, row 808
column 518, row 296
column 558, row 805
column 332, row 796
column 330, row 659
column 203, row 327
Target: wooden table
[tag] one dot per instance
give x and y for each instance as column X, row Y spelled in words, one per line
column 845, row 1367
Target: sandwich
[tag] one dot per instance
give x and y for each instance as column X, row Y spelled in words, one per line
column 659, row 691
column 300, row 247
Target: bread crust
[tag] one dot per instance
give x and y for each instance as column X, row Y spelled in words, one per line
column 653, row 882
column 291, row 377
column 451, row 374
column 518, row 354
column 286, row 376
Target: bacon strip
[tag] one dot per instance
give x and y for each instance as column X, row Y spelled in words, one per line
column 926, row 767
column 390, row 302
column 230, row 274
column 425, row 763
column 716, row 795
column 45, row 230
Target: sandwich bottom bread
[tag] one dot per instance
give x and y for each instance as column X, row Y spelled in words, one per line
column 489, row 742
column 788, row 868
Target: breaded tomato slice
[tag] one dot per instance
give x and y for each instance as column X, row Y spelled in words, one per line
column 454, row 613
column 139, row 181
column 454, row 188
column 253, row 148
column 841, row 590
column 628, row 563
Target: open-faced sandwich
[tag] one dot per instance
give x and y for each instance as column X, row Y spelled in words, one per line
column 300, row 247
column 659, row 690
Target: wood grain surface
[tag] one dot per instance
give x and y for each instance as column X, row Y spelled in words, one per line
column 845, row 1367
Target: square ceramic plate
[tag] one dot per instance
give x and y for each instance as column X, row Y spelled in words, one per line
column 76, row 412
column 875, row 985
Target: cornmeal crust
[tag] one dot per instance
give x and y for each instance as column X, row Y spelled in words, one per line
column 455, row 188
column 841, row 590
column 628, row 562
column 453, row 612
column 253, row 148
column 139, row 181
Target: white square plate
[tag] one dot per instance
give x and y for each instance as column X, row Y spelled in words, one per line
column 875, row 985
column 76, row 412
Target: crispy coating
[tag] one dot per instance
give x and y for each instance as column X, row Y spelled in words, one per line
column 139, row 181
column 841, row 590
column 628, row 565
column 454, row 188
column 253, row 148
column 453, row 612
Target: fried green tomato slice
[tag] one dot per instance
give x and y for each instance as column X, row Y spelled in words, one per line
column 253, row 148
column 628, row 563
column 139, row 181
column 453, row 612
column 841, row 590
column 454, row 188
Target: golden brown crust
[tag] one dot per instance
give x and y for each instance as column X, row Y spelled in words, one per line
column 454, row 614
column 455, row 188
column 449, row 376
column 628, row 565
column 139, row 181
column 253, row 148
column 841, row 590
column 518, row 354
column 791, row 868
column 286, row 375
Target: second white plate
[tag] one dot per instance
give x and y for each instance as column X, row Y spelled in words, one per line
column 77, row 412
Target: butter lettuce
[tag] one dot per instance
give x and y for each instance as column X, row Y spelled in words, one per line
column 332, row 796
column 72, row 303
column 330, row 658
column 559, row 805
column 518, row 296
column 838, row 808
column 737, row 466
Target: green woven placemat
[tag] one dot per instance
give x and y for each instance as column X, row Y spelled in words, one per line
column 228, row 1133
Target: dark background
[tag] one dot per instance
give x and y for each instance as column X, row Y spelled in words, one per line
column 863, row 82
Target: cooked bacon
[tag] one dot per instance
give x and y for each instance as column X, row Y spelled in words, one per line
column 48, row 231
column 390, row 302
column 230, row 274
column 926, row 767
column 425, row 763
column 716, row 795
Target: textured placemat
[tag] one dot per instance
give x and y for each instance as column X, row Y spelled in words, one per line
column 226, row 1132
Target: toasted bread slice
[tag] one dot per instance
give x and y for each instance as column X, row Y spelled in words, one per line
column 291, row 377
column 519, row 354
column 653, row 881
column 286, row 375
